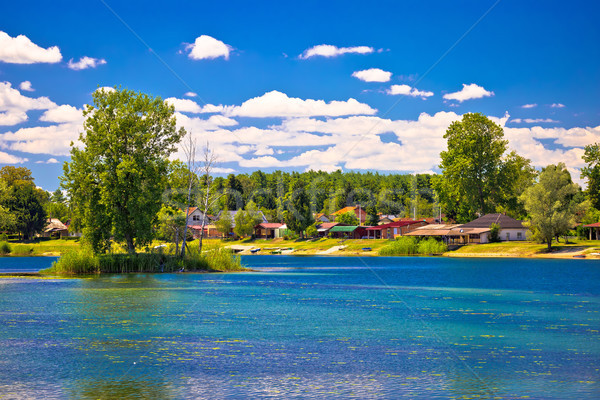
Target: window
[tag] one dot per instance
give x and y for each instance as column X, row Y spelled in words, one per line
column 519, row 235
column 195, row 218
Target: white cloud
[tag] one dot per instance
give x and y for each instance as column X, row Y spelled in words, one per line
column 6, row 158
column 190, row 94
column 105, row 89
column 557, row 105
column 327, row 50
column 14, row 106
column 64, row 113
column 529, row 105
column 21, row 50
column 85, row 63
column 12, row 117
column 221, row 170
column 373, row 75
column 26, row 86
column 277, row 104
column 184, row 105
column 54, row 140
column 49, row 161
column 408, row 91
column 532, row 120
column 468, row 92
column 207, row 47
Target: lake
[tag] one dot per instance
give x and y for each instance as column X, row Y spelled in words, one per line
column 307, row 327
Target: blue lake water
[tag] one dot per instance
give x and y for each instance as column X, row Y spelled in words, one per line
column 308, row 327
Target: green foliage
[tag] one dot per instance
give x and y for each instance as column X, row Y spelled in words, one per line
column 592, row 173
column 476, row 176
column 298, row 215
column 116, row 180
column 22, row 250
column 5, row 248
column 85, row 262
column 550, row 203
column 312, row 231
column 246, row 220
column 409, row 245
column 224, row 223
column 171, row 222
column 21, row 203
column 348, row 218
column 494, row 235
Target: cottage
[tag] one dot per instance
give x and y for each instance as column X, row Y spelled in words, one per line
column 434, row 230
column 320, row 218
column 324, row 229
column 210, row 231
column 594, row 228
column 55, row 228
column 360, row 213
column 266, row 230
column 393, row 229
column 478, row 230
column 348, row 232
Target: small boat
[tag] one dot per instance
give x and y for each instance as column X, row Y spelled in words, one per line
column 254, row 251
column 366, row 249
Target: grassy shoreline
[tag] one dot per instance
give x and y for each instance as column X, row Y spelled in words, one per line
column 351, row 247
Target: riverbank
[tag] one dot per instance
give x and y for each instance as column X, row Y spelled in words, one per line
column 352, row 247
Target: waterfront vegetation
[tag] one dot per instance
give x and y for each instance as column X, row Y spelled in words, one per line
column 84, row 262
column 407, row 245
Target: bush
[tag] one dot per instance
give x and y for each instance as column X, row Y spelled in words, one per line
column 408, row 245
column 83, row 261
column 23, row 249
column 3, row 237
column 5, row 248
column 494, row 235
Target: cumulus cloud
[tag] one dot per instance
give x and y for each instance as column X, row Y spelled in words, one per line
column 64, row 113
column 277, row 104
column 105, row 89
column 48, row 161
column 468, row 92
column 26, row 86
column 529, row 105
column 557, row 105
column 6, row 158
column 85, row 63
column 408, row 91
column 53, row 140
column 327, row 50
column 373, row 75
column 190, row 106
column 14, row 106
column 12, row 117
column 207, row 47
column 21, row 50
column 532, row 120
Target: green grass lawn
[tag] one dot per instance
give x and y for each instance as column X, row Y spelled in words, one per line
column 529, row 249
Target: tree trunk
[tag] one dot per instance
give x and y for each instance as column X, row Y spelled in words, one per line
column 130, row 245
column 549, row 241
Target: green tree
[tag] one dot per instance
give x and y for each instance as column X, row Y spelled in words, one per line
column 22, row 202
column 477, row 177
column 348, row 218
column 299, row 215
column 244, row 223
column 7, row 219
column 372, row 216
column 592, row 173
column 494, row 235
column 312, row 231
column 550, row 204
column 224, row 223
column 115, row 181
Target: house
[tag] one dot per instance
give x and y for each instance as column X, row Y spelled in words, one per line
column 359, row 211
column 320, row 217
column 478, row 230
column 281, row 231
column 594, row 228
column 324, row 228
column 393, row 229
column 348, row 232
column 434, row 230
column 71, row 231
column 55, row 228
column 194, row 216
column 266, row 230
column 210, row 231
column 385, row 219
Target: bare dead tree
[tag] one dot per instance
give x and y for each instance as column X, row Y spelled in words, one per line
column 208, row 198
column 189, row 149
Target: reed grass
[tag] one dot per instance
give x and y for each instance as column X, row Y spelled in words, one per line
column 408, row 245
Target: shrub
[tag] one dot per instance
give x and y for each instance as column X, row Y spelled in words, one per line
column 75, row 262
column 22, row 249
column 5, row 248
column 494, row 235
column 432, row 246
column 3, row 237
column 408, row 245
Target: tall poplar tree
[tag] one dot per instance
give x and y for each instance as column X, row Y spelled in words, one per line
column 116, row 178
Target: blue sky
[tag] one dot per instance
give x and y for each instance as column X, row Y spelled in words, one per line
column 306, row 85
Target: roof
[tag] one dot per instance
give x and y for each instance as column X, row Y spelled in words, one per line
column 433, row 230
column 345, row 210
column 54, row 225
column 394, row 224
column 594, row 225
column 504, row 221
column 341, row 228
column 327, row 225
column 270, row 225
column 191, row 210
column 462, row 231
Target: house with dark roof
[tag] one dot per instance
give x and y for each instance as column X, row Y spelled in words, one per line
column 478, row 230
